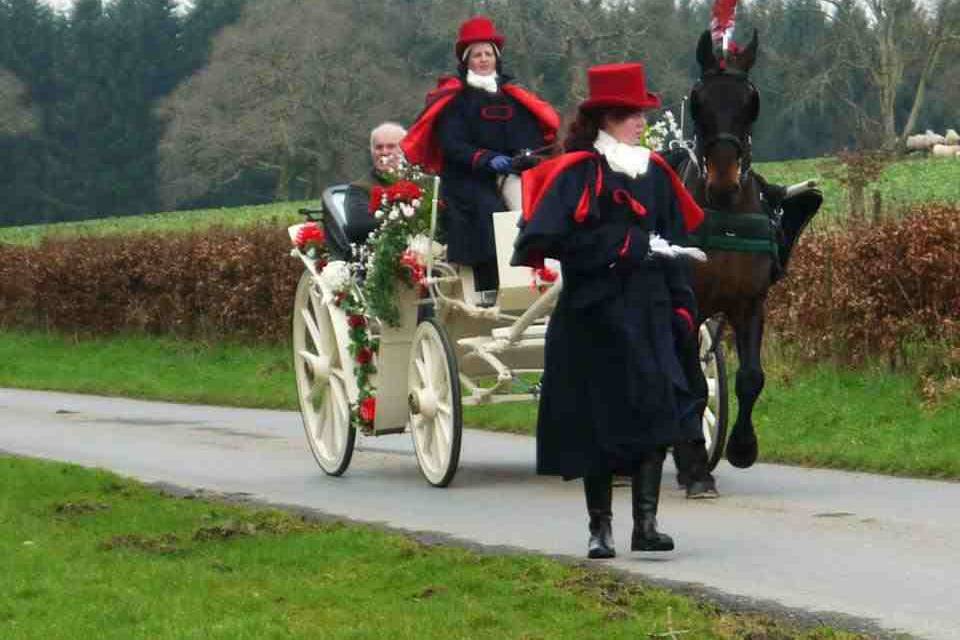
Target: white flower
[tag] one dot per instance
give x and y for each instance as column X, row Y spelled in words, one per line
column 378, row 214
column 416, row 203
column 336, row 275
column 407, row 210
column 420, row 245
column 393, row 215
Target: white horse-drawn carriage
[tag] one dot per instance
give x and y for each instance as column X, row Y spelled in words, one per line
column 447, row 350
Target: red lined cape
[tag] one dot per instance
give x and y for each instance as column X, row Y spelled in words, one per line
column 421, row 146
column 537, row 182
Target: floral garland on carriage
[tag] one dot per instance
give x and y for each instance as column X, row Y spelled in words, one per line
column 366, row 287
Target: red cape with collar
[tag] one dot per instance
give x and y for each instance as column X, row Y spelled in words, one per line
column 537, row 181
column 421, row 146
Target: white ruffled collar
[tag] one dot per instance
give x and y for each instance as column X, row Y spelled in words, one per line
column 623, row 158
column 486, row 83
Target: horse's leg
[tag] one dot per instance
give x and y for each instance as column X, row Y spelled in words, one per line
column 690, row 456
column 742, row 447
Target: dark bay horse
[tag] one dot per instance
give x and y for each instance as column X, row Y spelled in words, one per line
column 746, row 240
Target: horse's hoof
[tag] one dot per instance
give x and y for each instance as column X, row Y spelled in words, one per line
column 705, row 489
column 742, row 453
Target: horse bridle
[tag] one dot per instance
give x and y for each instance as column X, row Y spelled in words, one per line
column 703, row 144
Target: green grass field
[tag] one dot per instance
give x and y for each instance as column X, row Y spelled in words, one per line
column 150, row 368
column 906, row 181
column 87, row 554
column 824, row 415
column 282, row 214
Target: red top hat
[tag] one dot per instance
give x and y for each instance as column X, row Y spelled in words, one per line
column 619, row 85
column 477, row 29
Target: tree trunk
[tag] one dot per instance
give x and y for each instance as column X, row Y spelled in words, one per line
column 282, row 191
column 888, row 74
column 929, row 65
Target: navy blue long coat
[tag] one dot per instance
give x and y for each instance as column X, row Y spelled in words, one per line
column 476, row 126
column 612, row 382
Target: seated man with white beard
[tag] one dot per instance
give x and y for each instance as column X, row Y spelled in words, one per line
column 384, row 152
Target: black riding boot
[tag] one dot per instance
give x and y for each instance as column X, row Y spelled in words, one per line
column 599, row 493
column 646, row 498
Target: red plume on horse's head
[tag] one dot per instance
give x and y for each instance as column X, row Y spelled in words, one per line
column 722, row 22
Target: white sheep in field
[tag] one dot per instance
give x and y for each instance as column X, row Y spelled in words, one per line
column 934, row 138
column 953, row 137
column 918, row 143
column 944, row 151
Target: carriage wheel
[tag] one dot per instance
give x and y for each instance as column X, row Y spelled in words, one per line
column 436, row 414
column 321, row 380
column 714, row 367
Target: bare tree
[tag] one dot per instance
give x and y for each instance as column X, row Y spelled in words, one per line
column 945, row 29
column 15, row 117
column 291, row 89
column 883, row 39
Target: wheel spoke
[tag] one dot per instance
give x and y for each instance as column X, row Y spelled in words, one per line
column 426, row 435
column 337, row 416
column 708, row 440
column 324, row 425
column 327, row 341
column 427, row 361
column 443, row 440
column 309, row 321
column 437, row 363
column 712, row 387
column 710, row 417
column 706, row 345
column 422, row 373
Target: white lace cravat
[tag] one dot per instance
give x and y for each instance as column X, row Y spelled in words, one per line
column 487, row 83
column 623, row 158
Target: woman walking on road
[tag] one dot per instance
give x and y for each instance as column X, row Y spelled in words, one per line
column 613, row 213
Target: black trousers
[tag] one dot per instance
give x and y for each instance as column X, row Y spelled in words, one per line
column 485, row 276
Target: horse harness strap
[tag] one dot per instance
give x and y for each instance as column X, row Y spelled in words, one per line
column 741, row 232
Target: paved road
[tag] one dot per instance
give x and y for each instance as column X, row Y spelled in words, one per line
column 884, row 551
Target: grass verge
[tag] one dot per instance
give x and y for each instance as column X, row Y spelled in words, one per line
column 88, row 554
column 151, row 368
column 822, row 415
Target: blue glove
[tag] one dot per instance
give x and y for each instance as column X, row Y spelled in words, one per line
column 500, row 164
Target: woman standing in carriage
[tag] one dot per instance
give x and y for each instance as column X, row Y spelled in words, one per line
column 614, row 394
column 472, row 126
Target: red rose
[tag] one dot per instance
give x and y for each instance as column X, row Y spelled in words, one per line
column 546, row 274
column 357, row 321
column 418, row 271
column 364, row 355
column 403, row 191
column 368, row 409
column 309, row 233
column 376, row 196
